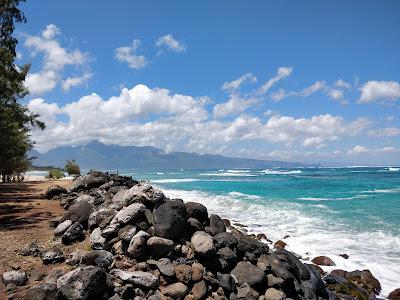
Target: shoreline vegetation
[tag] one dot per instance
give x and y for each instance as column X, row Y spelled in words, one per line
column 116, row 238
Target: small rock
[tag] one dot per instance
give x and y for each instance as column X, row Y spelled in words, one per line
column 100, row 258
column 159, row 247
column 227, row 282
column 323, row 261
column 246, row 272
column 203, row 243
column 175, row 290
column 216, row 224
column 97, row 242
column 225, row 239
column 80, row 210
column 274, row 294
column 62, row 227
column 137, row 246
column 275, row 281
column 183, row 273
column 199, row 290
column 197, row 271
column 245, row 292
column 31, row 249
column 280, row 244
column 73, row 234
column 345, row 256
column 165, row 266
column 142, row 279
column 53, row 256
column 44, row 291
column 16, row 277
column 394, row 295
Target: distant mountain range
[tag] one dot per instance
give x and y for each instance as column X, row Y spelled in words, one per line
column 97, row 155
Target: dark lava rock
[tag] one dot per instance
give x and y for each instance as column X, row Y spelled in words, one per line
column 100, row 258
column 31, row 249
column 246, row 272
column 323, row 261
column 17, row 277
column 44, row 291
column 246, row 292
column 216, row 224
column 170, row 219
column 89, row 181
column 159, row 247
column 53, row 256
column 293, row 265
column 55, row 190
column 203, row 243
column 73, row 234
column 225, row 239
column 197, row 211
column 250, row 245
column 280, row 244
column 84, row 283
column 394, row 295
column 227, row 282
column 345, row 256
column 79, row 211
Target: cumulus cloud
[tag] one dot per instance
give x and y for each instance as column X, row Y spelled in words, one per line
column 160, row 118
column 129, row 55
column 55, row 59
column 234, row 85
column 171, row 43
column 282, row 73
column 70, row 82
column 337, row 95
column 315, row 87
column 379, row 91
column 359, row 149
column 235, row 105
column 340, row 83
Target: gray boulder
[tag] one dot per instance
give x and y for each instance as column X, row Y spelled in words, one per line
column 89, row 181
column 53, row 256
column 62, row 227
column 170, row 219
column 197, row 211
column 100, row 258
column 129, row 213
column 225, row 239
column 137, row 278
column 203, row 243
column 97, row 242
column 73, row 234
column 84, row 283
column 17, row 277
column 245, row 272
column 137, row 246
column 43, row 291
column 216, row 224
column 55, row 190
column 79, row 211
column 101, row 217
column 175, row 290
column 274, row 294
column 159, row 247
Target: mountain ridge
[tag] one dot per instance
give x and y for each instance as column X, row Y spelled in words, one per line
column 96, row 155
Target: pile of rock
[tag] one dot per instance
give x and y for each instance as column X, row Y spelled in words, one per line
column 146, row 246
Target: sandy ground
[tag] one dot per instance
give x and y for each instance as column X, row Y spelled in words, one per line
column 24, row 216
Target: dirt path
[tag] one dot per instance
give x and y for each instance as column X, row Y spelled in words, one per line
column 24, row 216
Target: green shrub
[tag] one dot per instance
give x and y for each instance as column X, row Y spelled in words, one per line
column 72, row 168
column 55, row 174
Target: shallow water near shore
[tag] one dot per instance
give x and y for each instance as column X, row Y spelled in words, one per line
column 325, row 211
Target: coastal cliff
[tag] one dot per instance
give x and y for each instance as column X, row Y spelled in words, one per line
column 142, row 245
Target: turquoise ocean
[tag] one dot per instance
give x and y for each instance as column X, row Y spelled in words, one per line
column 325, row 211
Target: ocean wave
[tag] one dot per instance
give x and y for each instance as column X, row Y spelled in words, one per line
column 277, row 172
column 391, row 169
column 175, row 180
column 159, row 173
column 331, row 199
column 310, row 235
column 237, row 171
column 383, row 191
column 243, row 195
column 226, row 174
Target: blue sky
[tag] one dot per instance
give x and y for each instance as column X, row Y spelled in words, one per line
column 288, row 80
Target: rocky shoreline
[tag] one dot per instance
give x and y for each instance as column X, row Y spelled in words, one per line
column 146, row 246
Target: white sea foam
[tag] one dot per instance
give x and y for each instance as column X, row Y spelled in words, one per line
column 227, row 174
column 280, row 172
column 383, row 191
column 174, row 180
column 331, row 199
column 309, row 235
column 160, row 173
column 238, row 171
column 244, row 196
column 391, row 169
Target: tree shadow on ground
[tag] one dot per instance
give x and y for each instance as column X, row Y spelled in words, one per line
column 17, row 207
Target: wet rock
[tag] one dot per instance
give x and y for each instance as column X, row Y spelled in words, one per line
column 199, row 290
column 159, row 247
column 97, row 242
column 44, row 291
column 175, row 290
column 225, row 239
column 245, row 292
column 274, row 294
column 203, row 243
column 293, row 265
column 323, row 261
column 138, row 278
column 170, row 219
column 183, row 273
column 246, row 272
column 394, row 295
column 84, row 283
column 129, row 214
column 345, row 256
column 280, row 244
column 137, row 246
column 364, row 279
column 55, row 190
column 62, row 227
column 197, row 211
column 216, row 224
column 250, row 245
column 73, row 234
column 16, row 277
column 53, row 256
column 100, row 258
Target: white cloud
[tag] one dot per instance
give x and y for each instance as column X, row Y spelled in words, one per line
column 315, row 87
column 385, row 132
column 337, row 95
column 75, row 81
column 235, row 105
column 342, row 84
column 235, row 84
column 379, row 91
column 359, row 149
column 55, row 59
column 170, row 42
column 282, row 73
column 129, row 55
